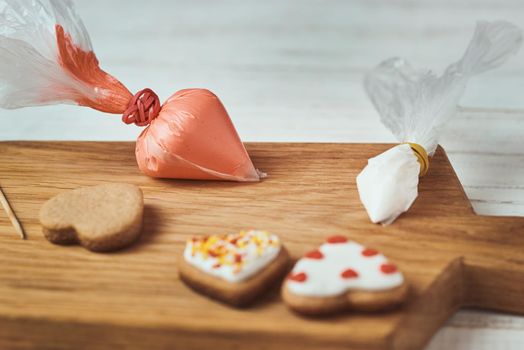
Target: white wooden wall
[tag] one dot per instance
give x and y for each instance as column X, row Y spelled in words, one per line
column 292, row 71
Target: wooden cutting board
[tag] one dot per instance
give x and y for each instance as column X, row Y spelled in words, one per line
column 54, row 297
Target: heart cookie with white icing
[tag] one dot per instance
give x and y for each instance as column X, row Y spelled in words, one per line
column 340, row 275
column 233, row 268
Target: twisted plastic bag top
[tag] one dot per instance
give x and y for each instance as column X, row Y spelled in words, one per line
column 414, row 105
column 46, row 57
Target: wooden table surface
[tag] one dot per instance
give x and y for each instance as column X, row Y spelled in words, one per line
column 292, row 71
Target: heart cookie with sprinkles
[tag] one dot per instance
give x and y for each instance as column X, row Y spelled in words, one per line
column 233, row 268
column 341, row 275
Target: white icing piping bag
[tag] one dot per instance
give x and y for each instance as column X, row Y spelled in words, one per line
column 414, row 105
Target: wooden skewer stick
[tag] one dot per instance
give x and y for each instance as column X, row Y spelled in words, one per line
column 11, row 214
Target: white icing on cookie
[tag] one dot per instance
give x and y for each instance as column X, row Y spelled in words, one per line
column 340, row 266
column 233, row 257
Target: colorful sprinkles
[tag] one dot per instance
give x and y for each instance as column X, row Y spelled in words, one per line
column 232, row 249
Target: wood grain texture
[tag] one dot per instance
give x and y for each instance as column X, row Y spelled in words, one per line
column 292, row 71
column 61, row 297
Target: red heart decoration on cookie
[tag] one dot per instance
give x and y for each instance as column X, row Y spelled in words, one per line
column 314, row 254
column 342, row 274
column 369, row 252
column 297, row 277
column 336, row 239
column 194, row 138
column 349, row 273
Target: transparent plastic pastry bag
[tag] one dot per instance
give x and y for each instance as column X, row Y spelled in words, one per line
column 414, row 105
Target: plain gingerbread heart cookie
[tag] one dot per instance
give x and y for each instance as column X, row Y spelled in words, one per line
column 234, row 268
column 100, row 218
column 342, row 275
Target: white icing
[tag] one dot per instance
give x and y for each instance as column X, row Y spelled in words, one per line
column 324, row 275
column 254, row 257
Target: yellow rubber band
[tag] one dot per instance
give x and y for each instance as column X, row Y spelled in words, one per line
column 422, row 157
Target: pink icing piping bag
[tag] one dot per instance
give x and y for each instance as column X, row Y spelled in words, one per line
column 46, row 57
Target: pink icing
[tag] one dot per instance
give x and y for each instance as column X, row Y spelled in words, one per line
column 194, row 138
